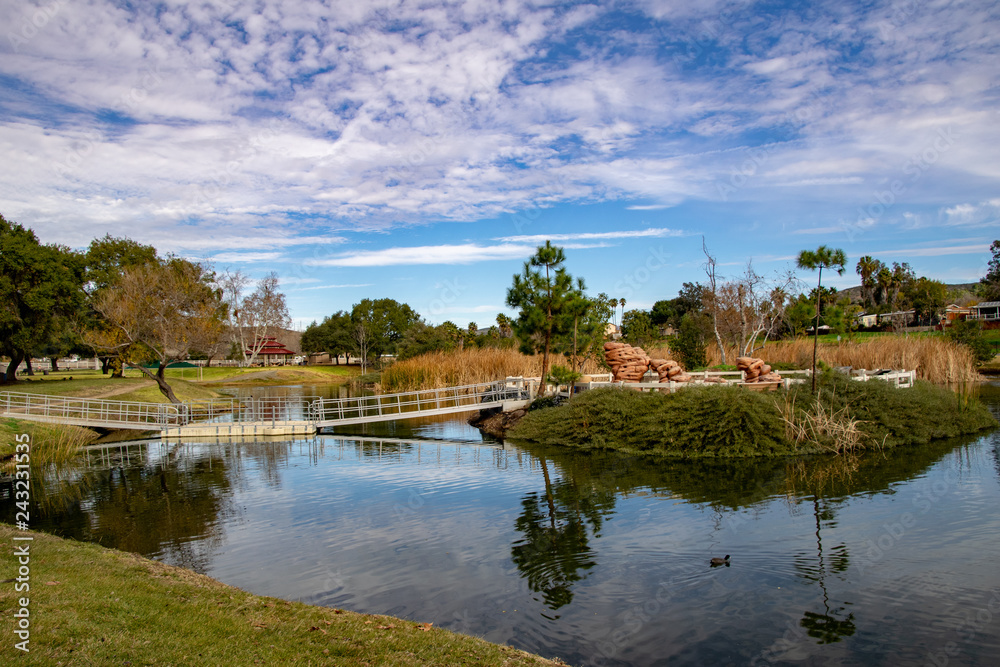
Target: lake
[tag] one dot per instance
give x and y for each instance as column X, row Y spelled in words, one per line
column 596, row 559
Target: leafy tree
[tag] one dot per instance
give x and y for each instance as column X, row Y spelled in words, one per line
column 384, row 321
column 546, row 301
column 160, row 311
column 638, row 328
column 868, row 268
column 689, row 343
column 927, row 298
column 333, row 336
column 663, row 312
column 422, row 338
column 585, row 337
column 821, row 258
column 106, row 258
column 970, row 334
column 38, row 283
column 989, row 285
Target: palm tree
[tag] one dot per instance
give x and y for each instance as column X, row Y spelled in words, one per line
column 868, row 268
column 503, row 323
column 621, row 302
column 614, row 311
column 820, row 258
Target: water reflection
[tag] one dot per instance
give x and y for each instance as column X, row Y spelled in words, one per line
column 597, row 558
column 556, row 527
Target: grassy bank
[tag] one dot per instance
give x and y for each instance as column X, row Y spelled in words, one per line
column 456, row 368
column 734, row 422
column 96, row 606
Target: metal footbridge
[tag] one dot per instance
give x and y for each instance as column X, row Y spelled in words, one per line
column 264, row 416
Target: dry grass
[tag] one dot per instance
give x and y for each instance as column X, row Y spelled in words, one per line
column 823, row 427
column 461, row 367
column 934, row 358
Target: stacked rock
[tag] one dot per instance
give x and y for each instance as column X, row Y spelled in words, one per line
column 627, row 363
column 669, row 370
column 756, row 370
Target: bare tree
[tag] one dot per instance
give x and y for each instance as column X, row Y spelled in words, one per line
column 362, row 337
column 750, row 309
column 254, row 318
column 158, row 310
column 711, row 297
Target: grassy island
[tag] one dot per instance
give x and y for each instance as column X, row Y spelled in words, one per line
column 725, row 422
column 90, row 605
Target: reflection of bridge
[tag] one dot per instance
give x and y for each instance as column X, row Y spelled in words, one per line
column 264, row 416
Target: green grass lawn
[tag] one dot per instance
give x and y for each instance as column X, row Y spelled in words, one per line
column 89, row 605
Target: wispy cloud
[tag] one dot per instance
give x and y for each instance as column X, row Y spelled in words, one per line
column 323, row 287
column 936, row 252
column 594, row 236
column 467, row 253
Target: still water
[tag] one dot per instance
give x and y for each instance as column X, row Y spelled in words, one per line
column 596, row 559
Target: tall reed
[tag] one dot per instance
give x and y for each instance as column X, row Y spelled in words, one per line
column 461, row 367
column 934, row 358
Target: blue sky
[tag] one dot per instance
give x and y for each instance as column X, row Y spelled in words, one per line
column 421, row 150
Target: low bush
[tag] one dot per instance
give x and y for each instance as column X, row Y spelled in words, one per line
column 711, row 421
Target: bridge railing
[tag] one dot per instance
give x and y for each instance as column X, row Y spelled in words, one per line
column 383, row 405
column 40, row 407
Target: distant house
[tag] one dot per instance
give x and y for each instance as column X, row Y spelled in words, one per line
column 272, row 353
column 955, row 313
column 868, row 319
column 987, row 310
column 900, row 318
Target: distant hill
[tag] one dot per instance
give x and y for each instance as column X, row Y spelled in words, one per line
column 963, row 290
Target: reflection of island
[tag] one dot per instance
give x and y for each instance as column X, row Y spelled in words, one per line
column 554, row 551
column 740, row 483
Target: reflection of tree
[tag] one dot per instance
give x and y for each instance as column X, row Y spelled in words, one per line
column 828, row 627
column 153, row 509
column 555, row 550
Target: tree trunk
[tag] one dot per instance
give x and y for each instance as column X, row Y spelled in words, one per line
column 165, row 388
column 27, row 365
column 10, row 375
column 105, row 364
column 819, row 297
column 117, row 368
column 55, row 364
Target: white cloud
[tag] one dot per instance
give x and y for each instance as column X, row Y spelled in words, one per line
column 441, row 254
column 595, row 236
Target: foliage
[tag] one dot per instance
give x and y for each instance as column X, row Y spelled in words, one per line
column 927, row 297
column 38, row 283
column 970, row 334
column 694, row 422
column 638, row 328
column 563, row 375
column 689, row 344
column 379, row 324
column 586, row 322
column 159, row 311
column 107, row 257
column 332, row 336
column 714, row 421
column 547, row 300
column 989, row 285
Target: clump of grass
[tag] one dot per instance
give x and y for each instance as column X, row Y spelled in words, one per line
column 461, row 367
column 824, row 427
column 50, row 443
column 103, row 607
